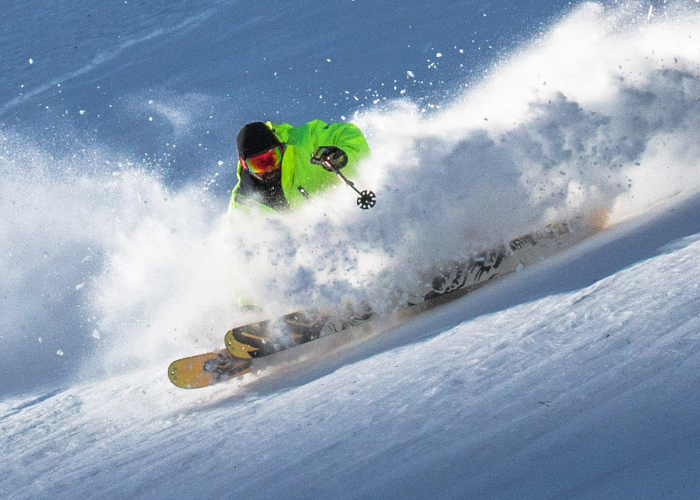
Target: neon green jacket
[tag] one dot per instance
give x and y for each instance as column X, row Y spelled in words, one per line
column 300, row 142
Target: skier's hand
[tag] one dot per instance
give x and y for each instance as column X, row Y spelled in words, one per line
column 329, row 154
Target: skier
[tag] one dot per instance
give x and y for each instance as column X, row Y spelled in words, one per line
column 280, row 166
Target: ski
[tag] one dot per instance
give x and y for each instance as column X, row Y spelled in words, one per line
column 449, row 281
column 267, row 337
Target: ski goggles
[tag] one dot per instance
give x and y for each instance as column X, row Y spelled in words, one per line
column 264, row 162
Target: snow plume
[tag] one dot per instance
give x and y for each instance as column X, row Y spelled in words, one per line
column 598, row 114
column 102, row 267
column 602, row 109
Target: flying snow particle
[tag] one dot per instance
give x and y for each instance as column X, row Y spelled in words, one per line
column 410, row 73
column 31, row 61
column 59, row 352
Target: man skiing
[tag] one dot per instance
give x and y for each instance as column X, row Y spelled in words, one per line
column 280, row 166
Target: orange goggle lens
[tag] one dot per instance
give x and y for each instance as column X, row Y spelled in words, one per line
column 264, row 162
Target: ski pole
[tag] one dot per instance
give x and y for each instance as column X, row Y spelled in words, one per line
column 367, row 199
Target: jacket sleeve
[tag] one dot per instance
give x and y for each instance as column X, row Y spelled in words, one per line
column 346, row 136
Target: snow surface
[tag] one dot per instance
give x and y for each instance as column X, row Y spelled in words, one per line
column 577, row 378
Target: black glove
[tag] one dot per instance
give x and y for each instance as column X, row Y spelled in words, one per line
column 331, row 154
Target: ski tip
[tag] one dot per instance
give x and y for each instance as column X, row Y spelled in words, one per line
column 206, row 369
column 183, row 378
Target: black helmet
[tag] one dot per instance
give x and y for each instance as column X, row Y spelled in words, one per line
column 254, row 138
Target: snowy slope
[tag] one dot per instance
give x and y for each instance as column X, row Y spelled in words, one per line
column 577, row 378
column 587, row 392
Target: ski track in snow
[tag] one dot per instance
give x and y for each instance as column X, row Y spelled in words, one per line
column 577, row 378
